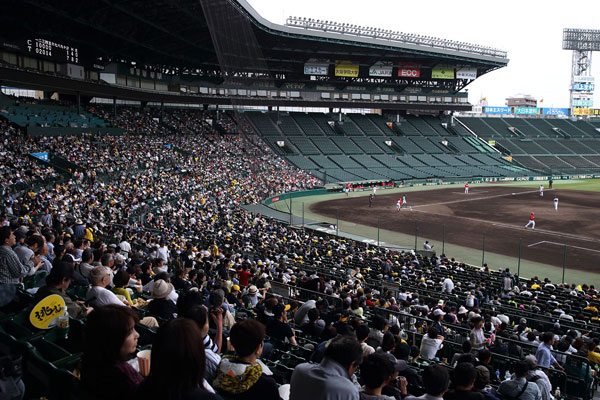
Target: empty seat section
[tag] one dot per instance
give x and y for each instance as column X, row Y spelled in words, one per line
column 345, row 144
column 307, row 124
column 462, row 145
column 525, row 127
column 323, row 121
column 304, row 145
column 408, row 129
column 531, row 147
column 480, row 128
column 326, row 145
column 436, row 124
column 263, row 124
column 350, row 129
column 287, row 125
column 367, row 145
column 593, row 159
column 338, row 175
column 423, row 127
column 302, row 162
column 406, row 144
column 554, row 162
column 553, row 146
column 411, row 161
column 579, row 162
column 592, row 144
column 568, row 127
column 577, row 147
column 324, row 162
column 366, row 125
column 367, row 161
column 415, row 173
column 427, row 145
column 450, row 159
column 587, row 128
column 500, row 126
column 512, row 147
column 530, row 162
column 345, row 162
column 381, row 122
column 388, row 161
column 429, row 160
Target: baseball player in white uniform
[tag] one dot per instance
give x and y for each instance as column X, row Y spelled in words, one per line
column 556, row 204
column 374, row 190
column 404, row 200
column 541, row 190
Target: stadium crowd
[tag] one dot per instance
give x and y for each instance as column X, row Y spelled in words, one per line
column 149, row 244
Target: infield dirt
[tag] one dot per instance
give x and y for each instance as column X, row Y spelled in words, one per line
column 499, row 211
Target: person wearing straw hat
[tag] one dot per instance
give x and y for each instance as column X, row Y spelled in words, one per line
column 161, row 306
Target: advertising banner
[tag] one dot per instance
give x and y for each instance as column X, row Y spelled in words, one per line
column 382, row 69
column 466, row 73
column 442, row 72
column 497, row 110
column 346, row 68
column 581, row 111
column 527, row 110
column 409, row 70
column 316, row 67
column 41, row 156
column 583, row 87
column 583, row 101
column 492, row 142
column 555, row 111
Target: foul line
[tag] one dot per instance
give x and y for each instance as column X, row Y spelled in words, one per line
column 519, row 228
column 563, row 244
column 478, row 198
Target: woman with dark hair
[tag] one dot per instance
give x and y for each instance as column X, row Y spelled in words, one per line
column 178, row 364
column 57, row 282
column 245, row 377
column 110, row 339
column 120, row 281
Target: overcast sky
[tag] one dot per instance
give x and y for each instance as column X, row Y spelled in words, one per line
column 529, row 30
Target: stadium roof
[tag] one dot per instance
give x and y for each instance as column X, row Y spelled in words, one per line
column 217, row 35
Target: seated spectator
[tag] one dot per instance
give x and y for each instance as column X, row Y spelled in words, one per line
column 518, row 386
column 110, row 339
column 485, row 359
column 378, row 371
column 539, row 377
column 315, row 324
column 482, row 383
column 544, row 356
column 245, row 377
column 120, row 281
column 466, row 355
column 332, row 377
column 431, row 343
column 362, row 334
column 199, row 315
column 180, row 281
column 161, row 306
column 278, row 327
column 178, row 364
column 464, row 379
column 98, row 295
column 435, row 381
column 414, row 381
column 57, row 282
column 477, row 337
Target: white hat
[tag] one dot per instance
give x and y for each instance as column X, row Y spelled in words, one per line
column 437, row 312
column 161, row 289
column 462, row 310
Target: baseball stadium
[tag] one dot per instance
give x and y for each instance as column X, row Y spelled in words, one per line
column 200, row 203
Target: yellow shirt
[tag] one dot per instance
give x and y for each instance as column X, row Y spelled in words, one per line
column 123, row 292
column 594, row 357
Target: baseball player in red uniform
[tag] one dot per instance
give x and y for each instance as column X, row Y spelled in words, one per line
column 466, row 188
column 531, row 221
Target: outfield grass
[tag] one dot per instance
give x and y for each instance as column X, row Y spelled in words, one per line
column 465, row 254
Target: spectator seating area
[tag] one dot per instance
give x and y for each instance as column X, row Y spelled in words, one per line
column 547, row 145
column 364, row 147
column 172, row 193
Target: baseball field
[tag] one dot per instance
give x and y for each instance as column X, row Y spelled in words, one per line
column 485, row 226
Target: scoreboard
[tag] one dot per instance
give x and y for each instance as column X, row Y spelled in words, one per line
column 52, row 50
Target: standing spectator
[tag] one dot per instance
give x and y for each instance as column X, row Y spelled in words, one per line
column 518, row 387
column 331, row 379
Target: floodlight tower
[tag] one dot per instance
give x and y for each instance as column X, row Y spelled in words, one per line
column 583, row 42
